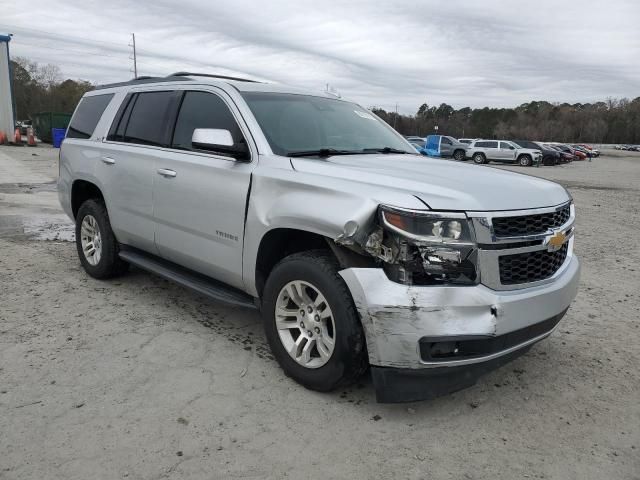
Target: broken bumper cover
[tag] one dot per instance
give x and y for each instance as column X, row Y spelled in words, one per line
column 403, row 323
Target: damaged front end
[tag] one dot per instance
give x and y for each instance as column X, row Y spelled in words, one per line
column 421, row 247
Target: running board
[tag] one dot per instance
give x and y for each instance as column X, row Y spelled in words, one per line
column 187, row 278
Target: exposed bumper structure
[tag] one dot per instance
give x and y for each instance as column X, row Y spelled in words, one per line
column 483, row 328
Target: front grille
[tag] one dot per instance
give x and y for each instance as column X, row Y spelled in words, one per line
column 530, row 224
column 531, row 266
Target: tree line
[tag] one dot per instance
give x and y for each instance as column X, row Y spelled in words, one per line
column 611, row 121
column 41, row 88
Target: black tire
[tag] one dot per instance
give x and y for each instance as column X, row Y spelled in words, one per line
column 110, row 264
column 459, row 155
column 479, row 158
column 525, row 160
column 349, row 358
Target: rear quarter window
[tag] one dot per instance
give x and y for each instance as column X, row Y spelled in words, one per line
column 87, row 115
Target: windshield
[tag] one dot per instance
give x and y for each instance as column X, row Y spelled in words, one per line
column 304, row 123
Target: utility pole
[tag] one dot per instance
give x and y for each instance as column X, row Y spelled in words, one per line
column 395, row 117
column 135, row 59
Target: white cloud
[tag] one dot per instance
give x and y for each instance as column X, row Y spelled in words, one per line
column 494, row 52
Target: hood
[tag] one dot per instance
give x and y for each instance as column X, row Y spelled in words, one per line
column 441, row 184
column 529, row 150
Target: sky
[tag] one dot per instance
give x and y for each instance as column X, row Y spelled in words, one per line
column 498, row 53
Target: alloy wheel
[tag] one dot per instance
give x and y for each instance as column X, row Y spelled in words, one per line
column 305, row 324
column 91, row 240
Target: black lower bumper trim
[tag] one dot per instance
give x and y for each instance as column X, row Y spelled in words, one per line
column 397, row 385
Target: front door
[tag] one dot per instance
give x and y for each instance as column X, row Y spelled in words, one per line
column 506, row 152
column 200, row 197
column 446, row 147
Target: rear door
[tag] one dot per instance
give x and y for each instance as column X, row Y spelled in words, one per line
column 490, row 148
column 137, row 136
column 200, row 196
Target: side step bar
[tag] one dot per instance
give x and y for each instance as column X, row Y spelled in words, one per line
column 187, row 278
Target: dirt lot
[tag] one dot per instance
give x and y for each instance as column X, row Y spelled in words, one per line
column 138, row 378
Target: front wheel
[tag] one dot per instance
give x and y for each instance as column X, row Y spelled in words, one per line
column 311, row 322
column 525, row 161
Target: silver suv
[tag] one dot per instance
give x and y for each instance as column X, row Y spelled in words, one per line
column 359, row 252
column 484, row 151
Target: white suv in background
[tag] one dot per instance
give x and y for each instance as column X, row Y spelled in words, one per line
column 484, row 151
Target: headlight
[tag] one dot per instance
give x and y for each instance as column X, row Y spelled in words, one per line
column 427, row 226
column 432, row 247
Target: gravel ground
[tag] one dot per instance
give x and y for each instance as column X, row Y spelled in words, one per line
column 138, row 378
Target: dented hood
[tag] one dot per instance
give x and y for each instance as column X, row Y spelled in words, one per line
column 441, row 184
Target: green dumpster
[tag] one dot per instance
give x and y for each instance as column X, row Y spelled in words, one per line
column 43, row 123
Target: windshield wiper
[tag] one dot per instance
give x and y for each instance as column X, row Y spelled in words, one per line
column 322, row 152
column 383, row 150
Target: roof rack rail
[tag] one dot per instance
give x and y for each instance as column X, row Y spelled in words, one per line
column 223, row 77
column 141, row 80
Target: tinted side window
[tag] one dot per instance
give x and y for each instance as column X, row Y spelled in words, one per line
column 492, row 144
column 482, row 144
column 203, row 110
column 446, row 141
column 148, row 123
column 505, row 146
column 116, row 132
column 88, row 115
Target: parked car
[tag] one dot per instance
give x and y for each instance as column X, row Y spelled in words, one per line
column 594, row 151
column 565, row 157
column 444, row 146
column 24, row 125
column 550, row 156
column 590, row 151
column 316, row 212
column 577, row 154
column 485, row 151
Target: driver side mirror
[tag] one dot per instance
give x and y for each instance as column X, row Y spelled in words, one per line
column 220, row 141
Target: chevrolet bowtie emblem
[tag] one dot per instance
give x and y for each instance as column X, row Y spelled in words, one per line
column 555, row 243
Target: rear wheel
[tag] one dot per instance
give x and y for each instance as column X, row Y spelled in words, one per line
column 311, row 322
column 479, row 158
column 458, row 155
column 97, row 246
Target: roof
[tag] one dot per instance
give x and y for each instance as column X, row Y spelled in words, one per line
column 240, row 84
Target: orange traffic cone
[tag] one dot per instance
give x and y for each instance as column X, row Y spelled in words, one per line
column 31, row 139
column 17, row 138
column 3, row 138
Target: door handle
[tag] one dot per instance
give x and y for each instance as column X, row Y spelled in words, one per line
column 108, row 160
column 165, row 172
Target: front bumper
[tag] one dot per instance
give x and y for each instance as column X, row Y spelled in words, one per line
column 397, row 317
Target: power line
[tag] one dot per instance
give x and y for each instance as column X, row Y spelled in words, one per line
column 68, row 38
column 22, row 42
